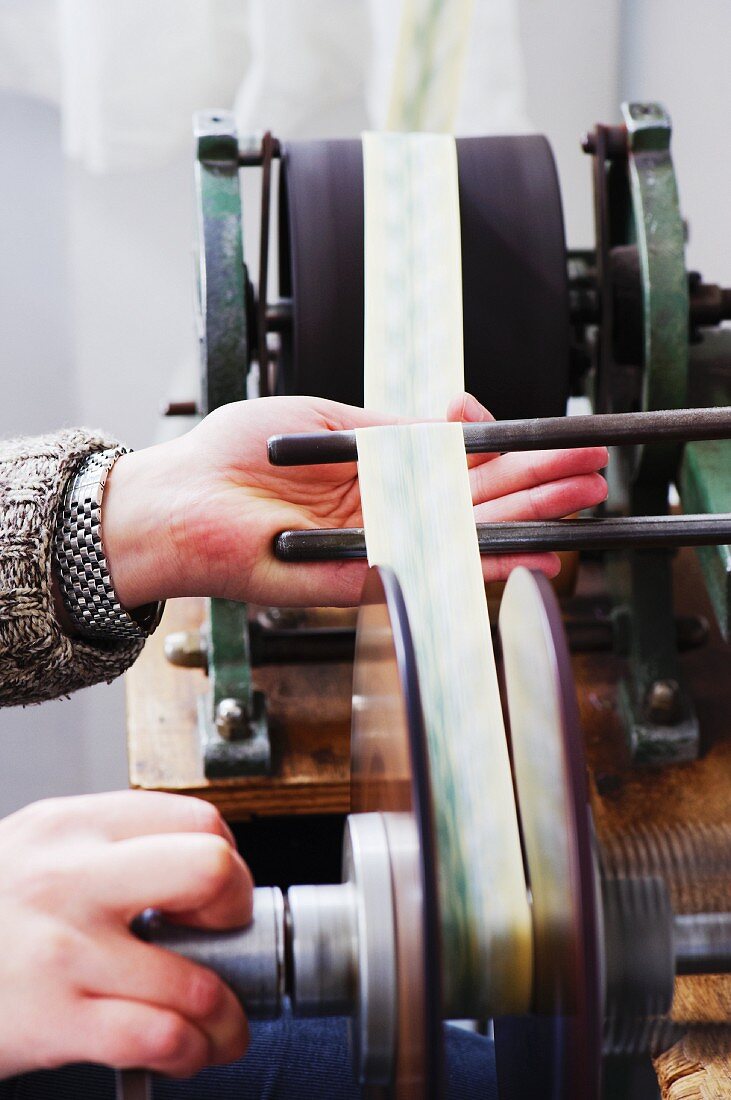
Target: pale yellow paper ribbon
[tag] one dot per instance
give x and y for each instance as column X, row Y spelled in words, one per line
column 419, row 520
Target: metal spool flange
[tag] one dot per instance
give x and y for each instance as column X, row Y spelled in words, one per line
column 563, row 1036
column 390, row 774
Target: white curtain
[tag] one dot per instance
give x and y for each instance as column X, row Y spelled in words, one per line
column 128, row 74
column 327, row 66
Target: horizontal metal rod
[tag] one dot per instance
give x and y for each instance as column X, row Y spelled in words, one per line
column 295, row 645
column 702, row 943
column 634, row 532
column 609, row 429
column 133, row 1084
column 592, row 631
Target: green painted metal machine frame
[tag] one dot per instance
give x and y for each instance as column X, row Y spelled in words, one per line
column 641, row 236
column 232, row 719
column 656, row 358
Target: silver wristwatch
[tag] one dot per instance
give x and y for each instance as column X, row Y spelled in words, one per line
column 86, row 585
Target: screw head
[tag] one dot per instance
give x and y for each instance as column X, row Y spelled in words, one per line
column 231, row 718
column 186, row 649
column 663, row 701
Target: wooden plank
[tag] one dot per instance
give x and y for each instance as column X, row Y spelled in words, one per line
column 309, row 713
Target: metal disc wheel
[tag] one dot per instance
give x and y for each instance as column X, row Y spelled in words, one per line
column 556, row 1052
column 390, row 775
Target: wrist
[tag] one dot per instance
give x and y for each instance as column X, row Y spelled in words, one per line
column 138, row 526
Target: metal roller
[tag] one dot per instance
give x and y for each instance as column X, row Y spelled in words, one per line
column 564, row 1033
column 321, row 268
column 513, row 267
column 390, row 772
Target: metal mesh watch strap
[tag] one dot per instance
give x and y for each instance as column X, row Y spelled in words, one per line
column 84, row 578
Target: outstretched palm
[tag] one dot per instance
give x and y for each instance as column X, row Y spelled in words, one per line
column 237, row 502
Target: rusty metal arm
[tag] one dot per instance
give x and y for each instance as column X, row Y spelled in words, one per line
column 609, row 429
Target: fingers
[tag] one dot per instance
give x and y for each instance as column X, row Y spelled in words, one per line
column 122, row 966
column 127, row 969
column 199, row 878
column 512, row 473
column 468, row 410
column 548, row 501
column 499, row 567
column 130, row 1034
column 339, row 417
column 119, row 815
column 285, row 415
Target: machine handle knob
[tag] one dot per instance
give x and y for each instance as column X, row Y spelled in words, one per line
column 250, row 960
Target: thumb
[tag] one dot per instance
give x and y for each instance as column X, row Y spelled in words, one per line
column 467, row 409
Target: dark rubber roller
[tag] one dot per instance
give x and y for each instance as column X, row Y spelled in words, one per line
column 515, row 295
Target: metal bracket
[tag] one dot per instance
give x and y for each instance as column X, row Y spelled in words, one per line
column 705, row 472
column 222, row 322
column 232, row 718
column 637, row 208
column 658, row 227
column 657, row 710
column 659, row 716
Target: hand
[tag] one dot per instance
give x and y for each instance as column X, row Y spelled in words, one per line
column 75, row 984
column 198, row 516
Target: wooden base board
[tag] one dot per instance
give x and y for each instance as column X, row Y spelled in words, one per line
column 309, row 718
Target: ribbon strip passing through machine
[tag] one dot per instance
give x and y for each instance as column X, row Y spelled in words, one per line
column 623, row 324
column 569, row 946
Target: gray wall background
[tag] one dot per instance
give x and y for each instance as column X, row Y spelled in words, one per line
column 96, row 277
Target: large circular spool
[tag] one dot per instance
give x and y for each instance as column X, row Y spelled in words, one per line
column 561, row 1042
column 514, row 281
column 556, row 1051
column 390, row 775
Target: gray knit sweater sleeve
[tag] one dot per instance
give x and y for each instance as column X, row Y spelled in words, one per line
column 37, row 659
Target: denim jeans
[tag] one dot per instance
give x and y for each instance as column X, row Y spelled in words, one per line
column 288, row 1060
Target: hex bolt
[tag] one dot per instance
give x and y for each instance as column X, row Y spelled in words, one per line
column 616, row 142
column 663, row 701
column 231, row 719
column 186, row 649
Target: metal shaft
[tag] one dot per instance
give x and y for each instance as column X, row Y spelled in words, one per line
column 133, row 1084
column 609, row 429
column 636, row 532
column 250, row 960
column 332, row 949
column 702, row 943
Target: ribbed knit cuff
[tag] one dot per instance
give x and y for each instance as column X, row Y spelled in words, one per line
column 38, row 660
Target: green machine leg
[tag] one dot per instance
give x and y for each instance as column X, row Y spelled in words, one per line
column 232, row 717
column 659, row 716
column 647, row 337
column 705, row 473
column 640, row 233
column 705, row 486
column 657, row 711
